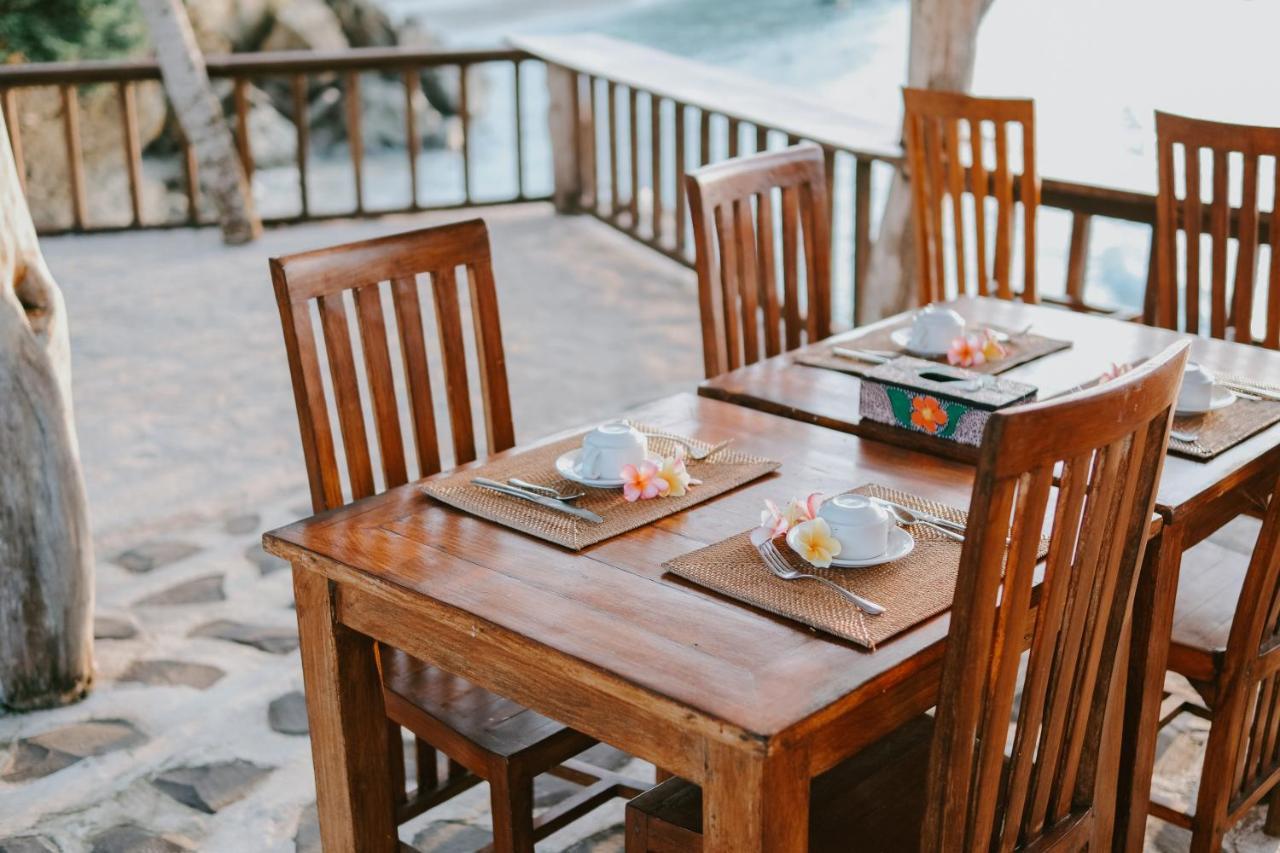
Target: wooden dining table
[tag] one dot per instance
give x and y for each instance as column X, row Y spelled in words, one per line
column 749, row 705
column 1194, row 499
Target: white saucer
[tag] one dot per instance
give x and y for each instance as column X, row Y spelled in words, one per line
column 902, row 337
column 1222, row 397
column 564, row 466
column 900, row 545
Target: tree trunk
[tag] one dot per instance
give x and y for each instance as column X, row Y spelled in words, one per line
column 186, row 81
column 944, row 40
column 46, row 552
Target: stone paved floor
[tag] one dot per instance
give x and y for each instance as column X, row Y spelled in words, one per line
column 194, row 737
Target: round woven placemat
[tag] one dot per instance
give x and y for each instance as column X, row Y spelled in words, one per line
column 721, row 471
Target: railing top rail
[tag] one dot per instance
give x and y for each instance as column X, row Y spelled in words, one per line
column 716, row 89
column 242, row 64
column 783, row 108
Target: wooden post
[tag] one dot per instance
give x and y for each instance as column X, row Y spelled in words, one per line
column 187, row 83
column 46, row 551
column 562, row 86
column 944, row 39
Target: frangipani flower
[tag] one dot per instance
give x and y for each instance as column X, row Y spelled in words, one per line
column 676, row 475
column 966, row 351
column 928, row 414
column 1115, row 372
column 814, row 542
column 775, row 522
column 641, row 482
column 992, row 349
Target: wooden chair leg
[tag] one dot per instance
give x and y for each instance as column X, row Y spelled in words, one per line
column 511, row 804
column 1272, row 826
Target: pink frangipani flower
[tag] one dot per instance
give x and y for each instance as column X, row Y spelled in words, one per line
column 775, row 522
column 641, row 482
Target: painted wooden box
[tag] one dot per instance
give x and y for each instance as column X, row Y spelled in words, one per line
column 947, row 403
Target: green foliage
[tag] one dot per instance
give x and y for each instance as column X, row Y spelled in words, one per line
column 52, row 30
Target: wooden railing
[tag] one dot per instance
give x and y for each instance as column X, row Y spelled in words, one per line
column 615, row 161
column 625, row 123
column 242, row 69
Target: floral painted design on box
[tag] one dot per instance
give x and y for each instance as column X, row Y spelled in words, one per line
column 946, row 403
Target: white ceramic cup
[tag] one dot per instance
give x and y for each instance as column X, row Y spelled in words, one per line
column 608, row 448
column 934, row 328
column 1196, row 394
column 860, row 525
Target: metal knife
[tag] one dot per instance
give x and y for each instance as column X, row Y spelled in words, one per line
column 540, row 500
column 862, row 355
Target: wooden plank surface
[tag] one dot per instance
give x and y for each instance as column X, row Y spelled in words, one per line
column 695, row 653
column 829, row 398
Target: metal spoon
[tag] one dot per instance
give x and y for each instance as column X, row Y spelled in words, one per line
column 906, row 516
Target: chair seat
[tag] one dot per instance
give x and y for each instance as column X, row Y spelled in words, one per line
column 873, row 801
column 471, row 724
column 1208, row 591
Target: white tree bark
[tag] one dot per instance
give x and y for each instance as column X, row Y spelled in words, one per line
column 46, row 552
column 186, row 80
column 943, row 47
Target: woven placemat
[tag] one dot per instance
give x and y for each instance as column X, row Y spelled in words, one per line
column 911, row 589
column 1222, row 429
column 721, row 471
column 1022, row 348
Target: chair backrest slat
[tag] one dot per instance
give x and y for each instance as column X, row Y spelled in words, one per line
column 431, row 258
column 731, row 204
column 1243, row 752
column 377, row 359
column 1234, row 299
column 940, row 130
column 1011, row 773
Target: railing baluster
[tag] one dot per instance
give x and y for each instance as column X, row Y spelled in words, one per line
column 861, row 234
column 680, row 171
column 611, row 98
column 9, row 103
column 355, row 135
column 588, row 146
column 704, row 137
column 655, row 152
column 301, row 125
column 1078, row 257
column 132, row 150
column 191, row 172
column 464, row 107
column 515, row 70
column 411, row 142
column 734, row 137
column 240, row 98
column 633, row 134
column 71, row 131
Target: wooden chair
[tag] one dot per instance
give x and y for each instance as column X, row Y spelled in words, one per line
column 1226, row 642
column 995, row 770
column 1233, row 300
column 949, row 156
column 732, row 205
column 485, row 737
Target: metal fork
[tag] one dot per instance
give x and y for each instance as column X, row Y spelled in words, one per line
column 779, row 566
column 545, row 490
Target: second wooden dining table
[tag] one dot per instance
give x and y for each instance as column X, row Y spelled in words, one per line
column 749, row 705
column 1194, row 499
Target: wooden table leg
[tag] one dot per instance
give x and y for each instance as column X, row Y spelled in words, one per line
column 755, row 802
column 348, row 724
column 1153, row 619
